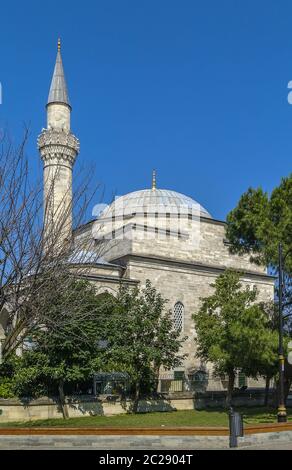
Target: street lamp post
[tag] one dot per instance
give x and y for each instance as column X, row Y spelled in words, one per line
column 282, row 413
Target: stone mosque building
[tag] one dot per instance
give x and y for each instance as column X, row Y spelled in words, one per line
column 153, row 233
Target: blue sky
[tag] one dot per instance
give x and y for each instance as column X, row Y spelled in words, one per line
column 195, row 89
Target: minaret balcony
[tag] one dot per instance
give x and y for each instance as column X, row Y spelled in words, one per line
column 52, row 143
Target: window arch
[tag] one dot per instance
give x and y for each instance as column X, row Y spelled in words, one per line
column 178, row 316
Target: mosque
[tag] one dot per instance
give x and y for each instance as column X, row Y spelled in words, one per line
column 153, row 233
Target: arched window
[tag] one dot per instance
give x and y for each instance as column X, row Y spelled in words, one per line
column 178, row 316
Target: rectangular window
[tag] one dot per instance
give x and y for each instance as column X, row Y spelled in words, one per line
column 178, row 375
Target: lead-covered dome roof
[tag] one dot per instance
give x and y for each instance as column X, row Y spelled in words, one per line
column 158, row 200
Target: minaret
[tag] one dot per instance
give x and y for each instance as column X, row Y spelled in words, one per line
column 58, row 148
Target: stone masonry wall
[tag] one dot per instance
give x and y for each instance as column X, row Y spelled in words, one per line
column 187, row 286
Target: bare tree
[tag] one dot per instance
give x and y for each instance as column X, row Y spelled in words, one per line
column 35, row 260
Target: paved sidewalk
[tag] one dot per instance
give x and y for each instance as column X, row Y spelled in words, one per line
column 266, row 436
column 138, row 442
column 271, row 446
column 113, row 442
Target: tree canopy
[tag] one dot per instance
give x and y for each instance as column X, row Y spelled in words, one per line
column 259, row 222
column 131, row 333
column 61, row 357
column 141, row 335
column 233, row 332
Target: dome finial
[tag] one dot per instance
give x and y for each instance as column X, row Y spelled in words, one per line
column 153, row 180
column 59, row 44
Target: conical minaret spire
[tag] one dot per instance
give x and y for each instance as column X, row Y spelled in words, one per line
column 58, row 148
column 58, row 91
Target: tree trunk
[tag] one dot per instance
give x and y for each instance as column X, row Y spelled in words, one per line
column 63, row 405
column 231, row 380
column 267, row 390
column 156, row 372
column 137, row 397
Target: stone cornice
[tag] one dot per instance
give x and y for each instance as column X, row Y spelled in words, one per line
column 206, row 220
column 96, row 264
column 215, row 269
column 110, row 279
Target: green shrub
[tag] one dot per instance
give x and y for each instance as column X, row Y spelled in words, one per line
column 6, row 388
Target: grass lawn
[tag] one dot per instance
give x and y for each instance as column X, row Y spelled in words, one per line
column 173, row 418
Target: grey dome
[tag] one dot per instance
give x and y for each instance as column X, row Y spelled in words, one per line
column 163, row 200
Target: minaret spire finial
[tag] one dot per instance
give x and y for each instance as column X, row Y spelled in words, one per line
column 153, row 180
column 58, row 91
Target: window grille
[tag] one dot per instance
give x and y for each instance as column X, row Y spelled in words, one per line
column 178, row 316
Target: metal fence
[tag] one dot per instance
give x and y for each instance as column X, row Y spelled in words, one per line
column 203, row 382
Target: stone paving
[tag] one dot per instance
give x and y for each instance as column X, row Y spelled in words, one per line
column 276, row 440
column 113, row 442
column 271, row 446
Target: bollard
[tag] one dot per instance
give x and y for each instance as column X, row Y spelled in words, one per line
column 235, row 427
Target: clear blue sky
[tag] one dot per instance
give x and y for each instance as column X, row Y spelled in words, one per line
column 196, row 89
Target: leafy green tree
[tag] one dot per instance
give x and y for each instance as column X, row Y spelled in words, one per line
column 233, row 332
column 59, row 358
column 7, row 370
column 141, row 336
column 256, row 226
column 132, row 333
column 259, row 222
column 268, row 369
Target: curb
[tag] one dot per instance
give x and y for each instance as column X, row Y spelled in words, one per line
column 161, row 431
